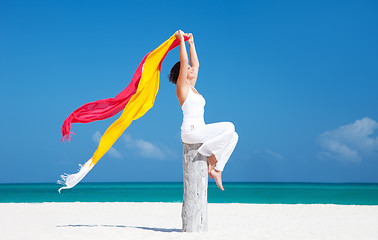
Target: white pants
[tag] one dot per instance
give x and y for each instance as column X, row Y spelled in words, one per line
column 217, row 138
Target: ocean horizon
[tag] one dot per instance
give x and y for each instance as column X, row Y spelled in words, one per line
column 235, row 192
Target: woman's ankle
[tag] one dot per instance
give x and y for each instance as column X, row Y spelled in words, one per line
column 212, row 160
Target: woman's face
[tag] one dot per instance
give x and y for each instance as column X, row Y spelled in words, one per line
column 191, row 74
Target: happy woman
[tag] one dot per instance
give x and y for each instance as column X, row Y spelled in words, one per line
column 218, row 139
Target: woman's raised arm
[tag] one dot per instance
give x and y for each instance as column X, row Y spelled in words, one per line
column 193, row 53
column 184, row 61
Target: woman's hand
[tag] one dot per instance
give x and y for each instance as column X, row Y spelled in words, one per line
column 191, row 39
column 180, row 35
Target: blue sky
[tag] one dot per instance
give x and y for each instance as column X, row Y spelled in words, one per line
column 299, row 79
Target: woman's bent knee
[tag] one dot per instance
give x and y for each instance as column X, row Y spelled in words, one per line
column 236, row 136
column 230, row 127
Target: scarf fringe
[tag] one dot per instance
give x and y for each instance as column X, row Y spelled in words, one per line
column 67, row 137
column 70, row 180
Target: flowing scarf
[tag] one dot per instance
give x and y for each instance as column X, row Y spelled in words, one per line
column 135, row 100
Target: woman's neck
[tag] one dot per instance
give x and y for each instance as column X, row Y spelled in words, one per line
column 190, row 83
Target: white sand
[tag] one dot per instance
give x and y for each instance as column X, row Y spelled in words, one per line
column 113, row 221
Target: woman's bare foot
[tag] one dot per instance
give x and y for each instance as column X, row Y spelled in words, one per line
column 211, row 162
column 217, row 175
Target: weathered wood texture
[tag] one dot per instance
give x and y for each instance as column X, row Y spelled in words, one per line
column 194, row 205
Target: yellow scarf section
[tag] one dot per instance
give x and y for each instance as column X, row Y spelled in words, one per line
column 138, row 105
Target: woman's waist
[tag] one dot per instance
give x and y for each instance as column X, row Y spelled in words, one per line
column 193, row 115
column 193, row 119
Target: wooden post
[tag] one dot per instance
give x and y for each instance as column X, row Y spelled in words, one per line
column 194, row 204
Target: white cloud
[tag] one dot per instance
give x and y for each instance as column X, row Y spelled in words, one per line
column 112, row 151
column 143, row 148
column 351, row 142
column 268, row 154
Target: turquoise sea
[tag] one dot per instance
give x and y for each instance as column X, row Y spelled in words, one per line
column 286, row 193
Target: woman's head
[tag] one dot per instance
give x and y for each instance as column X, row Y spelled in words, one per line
column 174, row 73
column 173, row 76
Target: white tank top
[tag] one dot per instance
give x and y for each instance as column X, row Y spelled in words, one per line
column 193, row 110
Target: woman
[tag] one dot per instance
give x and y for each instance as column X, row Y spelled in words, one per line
column 218, row 139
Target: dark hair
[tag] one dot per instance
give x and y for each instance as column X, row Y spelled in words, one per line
column 174, row 73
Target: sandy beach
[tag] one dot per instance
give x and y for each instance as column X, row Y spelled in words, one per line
column 163, row 221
